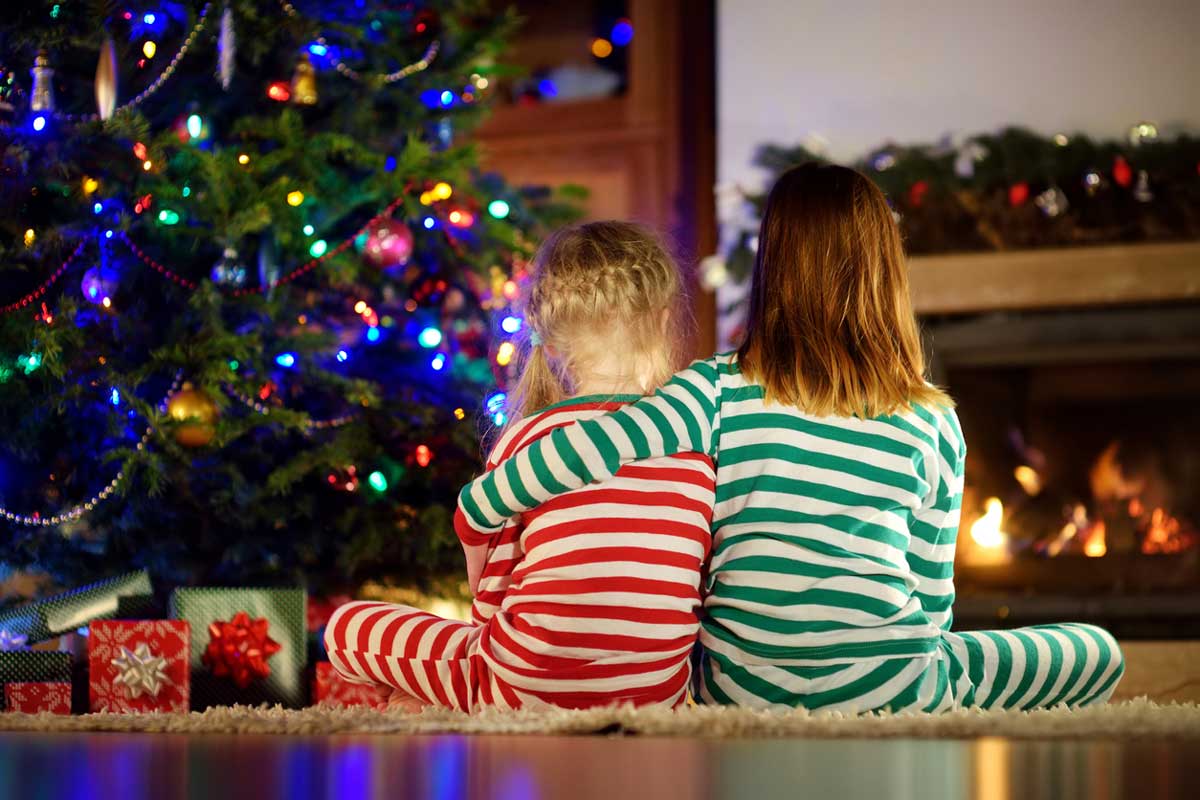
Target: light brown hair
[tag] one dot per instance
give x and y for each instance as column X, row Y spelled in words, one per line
column 599, row 288
column 831, row 328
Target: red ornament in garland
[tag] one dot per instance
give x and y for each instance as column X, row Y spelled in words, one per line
column 1018, row 193
column 239, row 649
column 1122, row 172
column 917, row 192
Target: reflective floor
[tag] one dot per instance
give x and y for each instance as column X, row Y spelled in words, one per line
column 131, row 767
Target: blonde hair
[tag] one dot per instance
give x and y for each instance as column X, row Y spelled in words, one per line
column 596, row 287
column 831, row 328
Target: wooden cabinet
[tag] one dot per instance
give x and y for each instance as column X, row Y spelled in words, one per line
column 646, row 153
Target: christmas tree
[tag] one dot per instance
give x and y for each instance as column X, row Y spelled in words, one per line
column 257, row 294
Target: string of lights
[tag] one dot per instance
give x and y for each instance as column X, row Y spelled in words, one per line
column 75, row 512
column 320, row 48
column 158, row 83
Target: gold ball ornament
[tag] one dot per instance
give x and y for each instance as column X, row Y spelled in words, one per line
column 195, row 413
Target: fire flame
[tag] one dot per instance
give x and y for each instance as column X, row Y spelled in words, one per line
column 986, row 530
column 1029, row 479
column 1164, row 534
column 1097, row 544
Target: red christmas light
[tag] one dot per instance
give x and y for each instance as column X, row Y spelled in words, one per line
column 1018, row 193
column 279, row 91
column 424, row 455
column 1122, row 173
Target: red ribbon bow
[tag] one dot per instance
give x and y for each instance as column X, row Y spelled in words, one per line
column 239, row 649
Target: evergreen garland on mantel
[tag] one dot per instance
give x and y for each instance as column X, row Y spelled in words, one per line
column 1019, row 190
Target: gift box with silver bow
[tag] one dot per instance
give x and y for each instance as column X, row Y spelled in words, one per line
column 51, row 616
column 139, row 665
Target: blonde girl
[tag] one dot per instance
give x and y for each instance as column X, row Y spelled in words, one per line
column 591, row 599
column 839, row 479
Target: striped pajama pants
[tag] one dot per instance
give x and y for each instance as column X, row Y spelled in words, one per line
column 448, row 663
column 421, row 654
column 1038, row 667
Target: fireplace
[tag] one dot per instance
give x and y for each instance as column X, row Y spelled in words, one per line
column 1082, row 496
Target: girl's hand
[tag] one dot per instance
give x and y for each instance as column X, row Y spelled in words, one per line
column 476, row 561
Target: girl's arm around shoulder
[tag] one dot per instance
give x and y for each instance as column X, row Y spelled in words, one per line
column 681, row 416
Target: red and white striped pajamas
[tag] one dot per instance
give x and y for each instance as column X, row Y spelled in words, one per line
column 592, row 600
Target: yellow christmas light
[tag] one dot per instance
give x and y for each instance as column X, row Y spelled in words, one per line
column 601, row 48
column 149, row 49
column 459, row 413
column 295, row 198
column 90, row 185
column 504, row 355
column 146, row 165
column 426, row 199
column 243, row 159
column 442, row 191
column 30, row 237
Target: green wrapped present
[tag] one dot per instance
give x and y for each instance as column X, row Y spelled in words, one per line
column 248, row 646
column 29, row 666
column 63, row 613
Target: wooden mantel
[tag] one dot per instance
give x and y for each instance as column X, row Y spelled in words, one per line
column 1058, row 278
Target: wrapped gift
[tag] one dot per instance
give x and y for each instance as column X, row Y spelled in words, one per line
column 139, row 665
column 248, row 646
column 331, row 689
column 53, row 697
column 66, row 612
column 27, row 666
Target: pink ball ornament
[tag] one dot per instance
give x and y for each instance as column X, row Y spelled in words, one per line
column 389, row 244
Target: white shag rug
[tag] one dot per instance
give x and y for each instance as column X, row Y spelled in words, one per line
column 1130, row 719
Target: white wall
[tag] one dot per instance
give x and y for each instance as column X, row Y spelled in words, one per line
column 861, row 72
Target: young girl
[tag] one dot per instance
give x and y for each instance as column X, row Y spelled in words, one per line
column 839, row 478
column 592, row 599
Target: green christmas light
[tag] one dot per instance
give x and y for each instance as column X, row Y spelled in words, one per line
column 318, row 248
column 309, row 230
column 187, row 191
column 378, row 481
column 29, row 363
column 498, row 209
column 233, row 364
column 168, row 217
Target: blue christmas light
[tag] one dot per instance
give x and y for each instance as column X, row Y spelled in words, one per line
column 438, row 362
column 286, row 360
column 97, row 207
column 510, row 324
column 495, row 402
column 390, row 164
column 547, row 88
column 148, row 18
column 498, row 209
column 499, row 418
column 429, row 223
column 308, row 230
column 115, row 397
column 446, row 98
column 342, row 355
column 318, row 49
column 430, row 97
column 108, row 234
column 429, row 338
column 39, row 122
column 373, row 334
column 195, row 126
column 622, row 33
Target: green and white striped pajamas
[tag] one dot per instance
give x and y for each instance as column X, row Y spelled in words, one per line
column 831, row 578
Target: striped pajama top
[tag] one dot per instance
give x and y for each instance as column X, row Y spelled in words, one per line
column 833, row 536
column 593, row 597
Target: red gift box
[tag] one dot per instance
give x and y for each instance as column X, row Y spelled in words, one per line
column 139, row 665
column 34, row 698
column 330, row 688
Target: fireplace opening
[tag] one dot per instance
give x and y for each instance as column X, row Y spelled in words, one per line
column 1082, row 484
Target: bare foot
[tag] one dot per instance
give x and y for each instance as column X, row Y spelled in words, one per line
column 398, row 700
